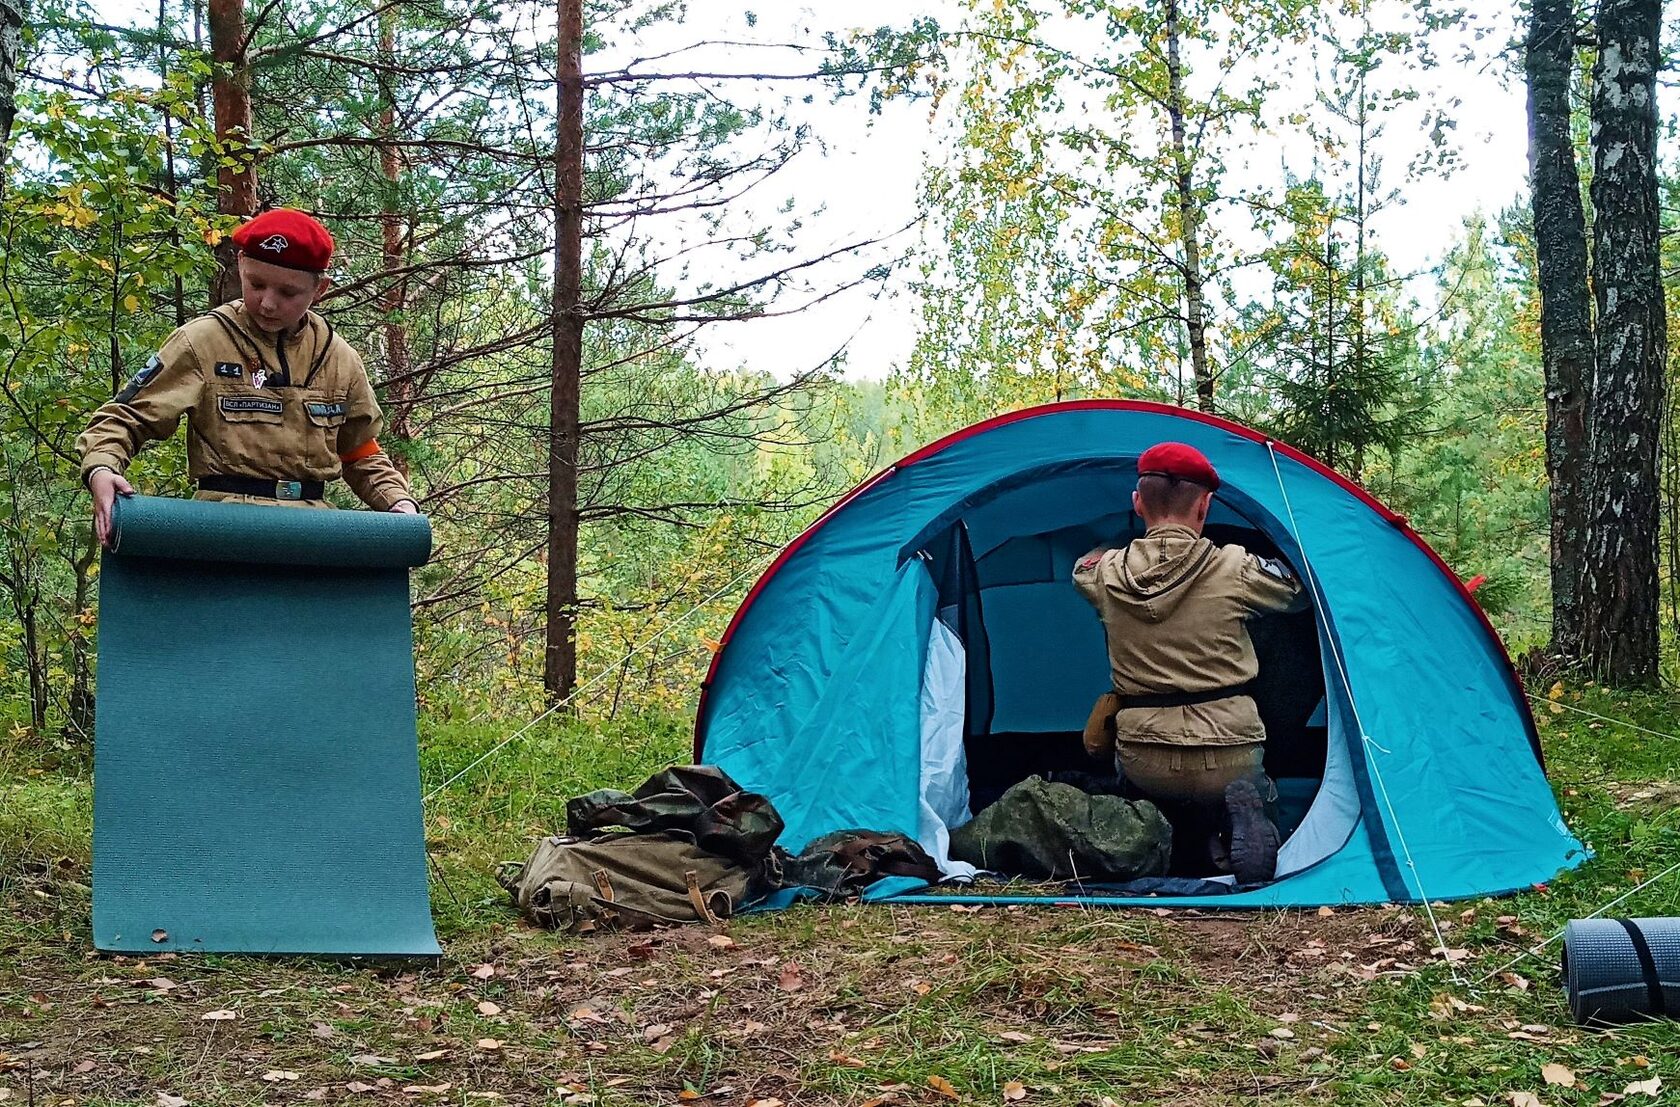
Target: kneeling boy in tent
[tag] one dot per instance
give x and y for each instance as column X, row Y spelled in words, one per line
column 1175, row 608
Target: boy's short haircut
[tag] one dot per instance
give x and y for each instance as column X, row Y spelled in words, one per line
column 1168, row 496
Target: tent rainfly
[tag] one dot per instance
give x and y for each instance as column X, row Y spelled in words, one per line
column 920, row 647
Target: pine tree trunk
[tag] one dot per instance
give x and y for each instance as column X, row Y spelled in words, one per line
column 230, row 92
column 1189, row 219
column 1566, row 328
column 560, row 642
column 1619, row 591
column 398, row 360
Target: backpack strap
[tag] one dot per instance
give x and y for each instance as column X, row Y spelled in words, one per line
column 698, row 899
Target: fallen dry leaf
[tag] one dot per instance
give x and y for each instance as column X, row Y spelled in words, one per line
column 1014, row 1090
column 1281, row 1032
column 429, row 1055
column 84, row 1066
column 484, row 972
column 1524, row 1099
column 164, row 1099
column 1515, row 980
column 1644, row 1087
column 1015, row 1036
column 316, row 1094
column 657, row 1031
column 373, row 1059
column 845, row 1060
column 722, row 941
column 359, row 1087
column 1561, row 1075
column 943, row 1086
column 278, row 1076
column 488, row 1009
column 161, row 983
column 427, row 1089
column 489, row 1045
column 1325, row 912
column 218, row 1016
column 790, row 980
column 766, row 1103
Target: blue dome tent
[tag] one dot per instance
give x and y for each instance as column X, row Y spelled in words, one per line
column 920, row 647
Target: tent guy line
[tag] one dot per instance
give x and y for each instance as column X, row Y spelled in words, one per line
column 1526, row 954
column 1365, row 738
column 1603, row 718
column 606, row 671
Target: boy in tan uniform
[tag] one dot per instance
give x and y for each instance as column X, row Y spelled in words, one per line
column 276, row 404
column 1175, row 609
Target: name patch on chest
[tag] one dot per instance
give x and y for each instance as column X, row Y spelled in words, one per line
column 236, row 404
column 229, row 369
column 325, row 411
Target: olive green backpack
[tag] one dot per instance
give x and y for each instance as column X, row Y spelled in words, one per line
column 687, row 846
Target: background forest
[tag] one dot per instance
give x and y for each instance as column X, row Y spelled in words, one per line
column 545, row 214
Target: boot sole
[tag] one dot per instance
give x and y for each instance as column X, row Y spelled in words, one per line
column 1254, row 840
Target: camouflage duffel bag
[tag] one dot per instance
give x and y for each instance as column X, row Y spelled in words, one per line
column 1048, row 831
column 698, row 801
column 628, row 880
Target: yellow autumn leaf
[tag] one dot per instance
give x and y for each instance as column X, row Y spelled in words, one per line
column 943, row 1086
column 131, row 302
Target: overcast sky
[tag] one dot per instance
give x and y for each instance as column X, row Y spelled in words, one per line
column 868, row 179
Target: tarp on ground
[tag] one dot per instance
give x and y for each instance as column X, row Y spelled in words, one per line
column 256, row 774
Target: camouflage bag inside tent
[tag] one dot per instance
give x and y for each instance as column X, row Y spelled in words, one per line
column 1048, row 831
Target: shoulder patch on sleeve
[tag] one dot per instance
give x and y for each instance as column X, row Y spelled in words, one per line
column 1276, row 568
column 140, row 380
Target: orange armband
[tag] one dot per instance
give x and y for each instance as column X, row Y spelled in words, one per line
column 366, row 449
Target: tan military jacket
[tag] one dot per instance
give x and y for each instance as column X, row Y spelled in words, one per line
column 1175, row 608
column 297, row 408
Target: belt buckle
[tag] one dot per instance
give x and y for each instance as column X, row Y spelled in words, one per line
column 288, row 490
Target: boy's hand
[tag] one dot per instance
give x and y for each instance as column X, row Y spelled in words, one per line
column 405, row 507
column 106, row 485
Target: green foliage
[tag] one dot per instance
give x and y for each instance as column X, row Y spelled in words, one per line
column 95, row 250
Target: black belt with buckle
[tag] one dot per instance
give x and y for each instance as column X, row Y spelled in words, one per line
column 268, row 489
column 1183, row 699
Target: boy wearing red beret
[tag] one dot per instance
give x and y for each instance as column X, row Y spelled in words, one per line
column 276, row 403
column 1175, row 608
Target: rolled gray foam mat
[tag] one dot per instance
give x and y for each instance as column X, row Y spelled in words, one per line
column 1622, row 970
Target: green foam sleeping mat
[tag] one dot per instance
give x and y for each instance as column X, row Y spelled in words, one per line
column 256, row 771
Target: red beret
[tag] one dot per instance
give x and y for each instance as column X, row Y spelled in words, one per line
column 1175, row 459
column 286, row 238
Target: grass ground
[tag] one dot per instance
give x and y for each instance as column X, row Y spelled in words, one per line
column 842, row 1005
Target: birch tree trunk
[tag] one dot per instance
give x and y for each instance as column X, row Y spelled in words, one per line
column 11, row 45
column 566, row 320
column 1566, row 327
column 1619, row 591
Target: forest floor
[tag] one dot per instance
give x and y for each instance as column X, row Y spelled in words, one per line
column 857, row 1005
